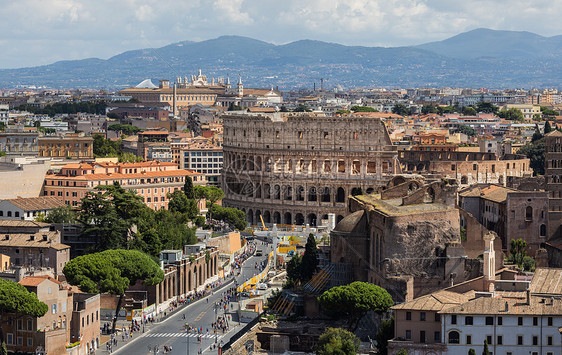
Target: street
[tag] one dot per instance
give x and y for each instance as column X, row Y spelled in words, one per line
column 171, row 331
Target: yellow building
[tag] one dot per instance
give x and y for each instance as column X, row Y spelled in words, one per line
column 529, row 111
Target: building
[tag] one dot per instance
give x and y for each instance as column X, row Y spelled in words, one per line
column 4, row 113
column 205, row 159
column 467, row 168
column 151, row 138
column 42, row 248
column 70, row 146
column 22, row 176
column 161, row 153
column 295, row 169
column 528, row 111
column 151, row 180
column 553, row 177
column 28, row 208
column 17, row 141
column 85, row 321
column 512, row 214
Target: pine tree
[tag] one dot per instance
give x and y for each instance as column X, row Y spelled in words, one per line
column 188, row 188
column 486, row 351
column 547, row 127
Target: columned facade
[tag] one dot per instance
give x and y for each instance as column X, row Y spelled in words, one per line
column 297, row 169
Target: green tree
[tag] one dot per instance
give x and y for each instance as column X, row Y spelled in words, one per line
column 342, row 112
column 469, row 131
column 180, row 203
column 213, row 194
column 402, row 352
column 294, row 268
column 485, row 351
column 357, row 108
column 113, row 115
column 354, row 300
column 233, row 216
column 548, row 112
column 469, row 111
column 16, row 299
column 129, row 158
column 283, row 109
column 517, row 251
column 512, row 114
column 337, row 341
column 547, row 127
column 199, row 193
column 112, row 271
column 471, row 351
column 429, row 109
column 401, row 109
column 63, row 214
column 385, row 333
column 535, row 151
column 302, row 108
column 188, row 188
column 309, row 259
column 528, row 263
column 486, row 107
column 105, row 147
column 233, row 107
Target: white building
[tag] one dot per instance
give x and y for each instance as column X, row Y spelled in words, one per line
column 205, row 159
column 4, row 114
column 28, row 208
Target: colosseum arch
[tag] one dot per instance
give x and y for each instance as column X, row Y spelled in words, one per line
column 258, row 163
column 340, row 194
column 267, row 217
column 311, row 219
column 326, row 194
column 464, row 179
column 370, row 190
column 396, row 181
column 251, row 165
column 276, row 217
column 299, row 219
column 299, row 193
column 288, row 193
column 339, row 218
column 312, row 194
column 288, row 218
column 429, row 195
column 258, row 219
column 250, row 216
column 267, row 191
column 276, row 192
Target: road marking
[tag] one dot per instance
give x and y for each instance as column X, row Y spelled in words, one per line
column 198, row 318
column 182, row 334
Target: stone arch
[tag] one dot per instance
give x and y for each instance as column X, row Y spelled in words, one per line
column 542, row 230
column 288, row 193
column 195, row 277
column 370, row 190
column 276, row 217
column 397, row 181
column 267, row 217
column 258, row 215
column 340, row 194
column 267, row 191
column 500, row 180
column 311, row 219
column 453, row 337
column 326, row 194
column 299, row 219
column 250, row 216
column 258, row 163
column 429, row 195
column 312, row 196
column 300, row 194
column 189, row 286
column 244, row 163
column 529, row 213
column 276, row 192
column 257, row 190
column 200, row 276
column 464, row 179
column 414, row 185
column 288, row 218
column 251, row 165
column 420, row 167
column 411, row 167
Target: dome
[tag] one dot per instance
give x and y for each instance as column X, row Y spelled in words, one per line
column 353, row 223
column 146, row 84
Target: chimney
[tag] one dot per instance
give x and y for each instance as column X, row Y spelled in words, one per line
column 7, row 237
column 32, row 237
column 506, row 307
column 528, row 301
column 45, row 237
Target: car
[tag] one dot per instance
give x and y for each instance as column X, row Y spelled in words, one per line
column 262, row 286
column 259, row 253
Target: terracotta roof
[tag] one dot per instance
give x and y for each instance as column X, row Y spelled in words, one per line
column 20, row 223
column 547, row 281
column 23, row 240
column 495, row 193
column 34, row 281
column 434, row 302
column 155, row 132
column 496, row 306
column 554, row 133
column 261, row 109
column 37, row 203
column 117, row 176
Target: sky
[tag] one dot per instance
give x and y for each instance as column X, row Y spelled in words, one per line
column 38, row 32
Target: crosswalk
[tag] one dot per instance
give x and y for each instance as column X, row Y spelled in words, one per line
column 179, row 334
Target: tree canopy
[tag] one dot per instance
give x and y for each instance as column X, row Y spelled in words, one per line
column 512, row 114
column 112, row 271
column 469, row 131
column 188, row 188
column 309, row 259
column 233, row 216
column 124, row 128
column 15, row 298
column 63, row 214
column 401, row 109
column 535, row 151
column 354, row 300
column 337, row 341
column 302, row 108
column 95, row 107
column 385, row 333
column 358, row 108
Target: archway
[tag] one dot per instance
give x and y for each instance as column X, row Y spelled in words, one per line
column 370, row 190
column 288, row 193
column 300, row 193
column 429, row 195
column 311, row 219
column 276, row 217
column 276, row 192
column 267, row 191
column 288, row 218
column 258, row 215
column 267, row 217
column 250, row 216
column 312, row 194
column 326, row 194
column 340, row 195
column 258, row 163
column 299, row 219
column 464, row 179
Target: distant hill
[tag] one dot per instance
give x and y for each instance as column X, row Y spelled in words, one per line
column 478, row 58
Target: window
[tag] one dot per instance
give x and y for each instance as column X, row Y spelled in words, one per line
column 520, row 340
column 489, row 339
column 500, row 340
column 535, row 321
column 20, row 324
column 535, row 340
column 422, row 336
column 29, row 324
column 422, row 316
column 473, row 166
column 437, row 337
column 529, row 213
column 468, row 320
column 489, row 320
column 468, row 339
column 408, row 315
column 454, row 319
column 500, row 320
column 10, row 339
column 408, row 334
column 549, row 340
column 54, row 308
column 519, row 320
column 454, row 337
column 437, row 317
column 29, row 341
column 550, row 321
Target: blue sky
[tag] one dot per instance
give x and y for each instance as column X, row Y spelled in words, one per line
column 36, row 32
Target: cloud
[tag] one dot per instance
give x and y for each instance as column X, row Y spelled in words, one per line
column 40, row 32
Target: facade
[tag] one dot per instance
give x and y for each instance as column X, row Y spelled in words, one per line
column 295, row 169
column 22, row 176
column 467, row 168
column 28, row 208
column 4, row 113
column 205, row 159
column 161, row 153
column 147, row 139
column 85, row 321
column 73, row 146
column 553, row 177
column 528, row 111
column 512, row 214
column 19, row 142
column 151, row 180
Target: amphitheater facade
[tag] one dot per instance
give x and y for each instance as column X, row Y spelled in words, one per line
column 295, row 169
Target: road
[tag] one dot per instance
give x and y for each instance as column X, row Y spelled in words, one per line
column 200, row 314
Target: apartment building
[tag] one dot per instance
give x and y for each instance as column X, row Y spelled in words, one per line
column 28, row 208
column 205, row 159
column 18, row 141
column 71, row 145
column 151, row 180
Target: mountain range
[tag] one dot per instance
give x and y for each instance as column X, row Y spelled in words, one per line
column 478, row 58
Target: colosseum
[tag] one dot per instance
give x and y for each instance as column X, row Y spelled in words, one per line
column 295, row 169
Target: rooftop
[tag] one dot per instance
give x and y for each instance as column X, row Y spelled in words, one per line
column 434, row 302
column 547, row 281
column 36, row 240
column 34, row 281
column 37, row 203
column 393, row 207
